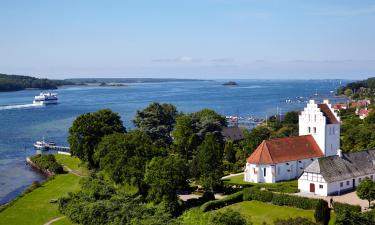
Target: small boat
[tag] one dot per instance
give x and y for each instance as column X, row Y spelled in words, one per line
column 45, row 98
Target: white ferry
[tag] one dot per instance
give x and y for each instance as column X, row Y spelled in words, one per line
column 43, row 145
column 45, row 98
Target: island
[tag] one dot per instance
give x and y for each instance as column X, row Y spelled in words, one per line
column 230, row 83
column 18, row 83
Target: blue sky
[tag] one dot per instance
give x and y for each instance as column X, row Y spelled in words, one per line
column 225, row 39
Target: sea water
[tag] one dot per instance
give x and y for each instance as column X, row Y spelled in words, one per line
column 22, row 123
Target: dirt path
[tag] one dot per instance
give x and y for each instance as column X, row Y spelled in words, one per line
column 54, row 220
column 232, row 175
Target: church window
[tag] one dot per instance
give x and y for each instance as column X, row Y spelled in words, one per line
column 372, row 177
column 314, row 118
column 264, row 172
column 341, row 184
column 347, row 183
column 308, row 129
column 314, row 130
column 320, row 186
column 360, row 180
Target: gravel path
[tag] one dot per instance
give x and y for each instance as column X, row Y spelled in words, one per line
column 54, row 220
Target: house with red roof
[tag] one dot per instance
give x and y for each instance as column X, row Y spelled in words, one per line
column 282, row 159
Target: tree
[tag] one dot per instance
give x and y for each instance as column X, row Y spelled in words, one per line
column 165, row 176
column 322, row 212
column 208, row 121
column 291, row 117
column 157, row 121
column 255, row 137
column 348, row 92
column 228, row 217
column 366, row 190
column 353, row 218
column 229, row 152
column 184, row 137
column 87, row 131
column 124, row 157
column 210, row 162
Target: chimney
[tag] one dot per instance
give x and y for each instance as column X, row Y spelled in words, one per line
column 339, row 153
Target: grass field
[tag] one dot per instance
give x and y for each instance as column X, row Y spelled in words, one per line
column 34, row 208
column 73, row 163
column 286, row 186
column 259, row 212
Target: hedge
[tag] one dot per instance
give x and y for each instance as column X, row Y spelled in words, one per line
column 279, row 199
column 216, row 204
column 341, row 207
column 47, row 162
column 258, row 195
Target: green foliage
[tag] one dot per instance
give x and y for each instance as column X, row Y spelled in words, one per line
column 165, row 176
column 353, row 218
column 157, row 121
column 322, row 212
column 47, row 162
column 294, row 201
column 279, row 199
column 348, row 92
column 16, row 83
column 291, row 117
column 341, row 207
column 229, row 152
column 87, row 131
column 210, row 162
column 294, row 221
column 191, row 130
column 228, row 200
column 366, row 190
column 228, row 217
column 255, row 137
column 258, row 195
column 124, row 157
column 34, row 185
column 99, row 203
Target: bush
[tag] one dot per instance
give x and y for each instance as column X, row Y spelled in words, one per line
column 229, row 217
column 47, row 162
column 216, row 204
column 258, row 195
column 322, row 212
column 294, row 201
column 341, row 207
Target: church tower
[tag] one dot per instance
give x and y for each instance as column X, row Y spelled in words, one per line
column 323, row 123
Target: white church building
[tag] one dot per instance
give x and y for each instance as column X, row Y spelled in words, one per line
column 286, row 158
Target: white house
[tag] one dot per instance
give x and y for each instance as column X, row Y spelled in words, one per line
column 286, row 158
column 338, row 174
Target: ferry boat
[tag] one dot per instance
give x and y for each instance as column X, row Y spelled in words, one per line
column 45, row 98
column 43, row 145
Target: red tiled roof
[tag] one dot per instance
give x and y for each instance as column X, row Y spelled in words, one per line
column 285, row 149
column 331, row 118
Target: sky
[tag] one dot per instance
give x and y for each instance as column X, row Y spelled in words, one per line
column 206, row 39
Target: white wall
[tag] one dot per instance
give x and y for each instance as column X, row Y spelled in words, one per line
column 312, row 121
column 327, row 188
column 275, row 172
column 254, row 173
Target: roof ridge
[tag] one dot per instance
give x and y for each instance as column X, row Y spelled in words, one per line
column 268, row 150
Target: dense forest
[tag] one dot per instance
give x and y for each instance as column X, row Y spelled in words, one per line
column 17, row 83
column 359, row 89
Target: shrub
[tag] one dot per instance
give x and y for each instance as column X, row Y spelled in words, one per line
column 47, row 162
column 341, row 207
column 258, row 195
column 229, row 217
column 294, row 201
column 322, row 212
column 216, row 204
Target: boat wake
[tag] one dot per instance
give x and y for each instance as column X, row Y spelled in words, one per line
column 6, row 107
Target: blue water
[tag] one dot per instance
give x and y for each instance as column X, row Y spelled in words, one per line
column 21, row 124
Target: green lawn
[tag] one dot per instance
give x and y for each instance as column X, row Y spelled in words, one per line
column 34, row 208
column 285, row 186
column 259, row 212
column 73, row 163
